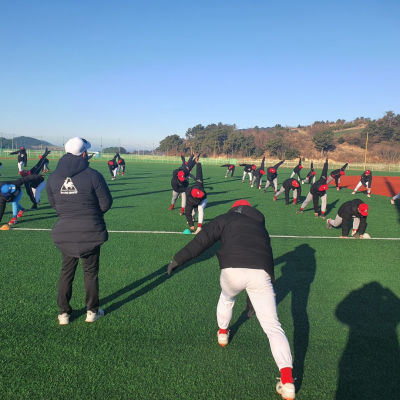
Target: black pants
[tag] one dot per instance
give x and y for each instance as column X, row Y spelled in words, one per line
column 90, row 265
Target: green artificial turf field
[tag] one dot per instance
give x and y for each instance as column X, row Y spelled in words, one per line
column 338, row 301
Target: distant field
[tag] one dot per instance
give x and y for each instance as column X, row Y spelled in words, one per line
column 338, row 301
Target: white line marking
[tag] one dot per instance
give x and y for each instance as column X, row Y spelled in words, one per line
column 180, row 233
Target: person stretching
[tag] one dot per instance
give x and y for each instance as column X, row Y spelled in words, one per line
column 287, row 185
column 353, row 212
column 246, row 263
column 196, row 199
column 318, row 191
column 230, row 170
column 258, row 174
column 366, row 181
column 272, row 176
column 297, row 169
column 310, row 176
column 248, row 169
column 336, row 174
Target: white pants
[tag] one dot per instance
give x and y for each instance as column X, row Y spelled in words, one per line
column 275, row 182
column 258, row 286
column 175, row 195
column 282, row 189
column 200, row 211
column 395, row 197
column 309, row 198
column 21, row 166
column 338, row 221
column 359, row 185
column 37, row 192
column 250, row 176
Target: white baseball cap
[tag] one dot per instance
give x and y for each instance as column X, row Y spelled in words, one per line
column 77, row 146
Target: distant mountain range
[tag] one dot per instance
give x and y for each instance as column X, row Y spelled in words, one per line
column 27, row 142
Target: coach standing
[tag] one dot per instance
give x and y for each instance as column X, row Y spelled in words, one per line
column 80, row 196
column 246, row 263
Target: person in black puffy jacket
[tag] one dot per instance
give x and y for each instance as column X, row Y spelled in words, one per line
column 81, row 197
column 246, row 263
column 351, row 213
column 230, row 169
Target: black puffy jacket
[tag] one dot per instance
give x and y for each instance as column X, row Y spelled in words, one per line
column 245, row 241
column 80, row 196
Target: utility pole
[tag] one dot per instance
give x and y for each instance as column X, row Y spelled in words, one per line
column 366, row 149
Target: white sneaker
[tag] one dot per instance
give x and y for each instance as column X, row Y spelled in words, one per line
column 223, row 338
column 286, row 391
column 92, row 316
column 63, row 319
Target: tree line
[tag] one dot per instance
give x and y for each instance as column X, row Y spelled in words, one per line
column 318, row 138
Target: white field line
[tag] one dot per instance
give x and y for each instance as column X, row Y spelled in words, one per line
column 180, row 233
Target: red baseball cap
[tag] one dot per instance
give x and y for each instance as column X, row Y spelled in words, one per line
column 262, row 172
column 181, row 176
column 254, row 166
column 241, row 203
column 295, row 183
column 313, row 173
column 24, row 172
column 322, row 188
column 272, row 170
column 300, row 166
column 231, row 167
column 342, row 173
column 367, row 172
column 197, row 193
column 363, row 209
column 111, row 162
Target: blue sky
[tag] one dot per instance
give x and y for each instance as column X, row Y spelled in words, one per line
column 130, row 73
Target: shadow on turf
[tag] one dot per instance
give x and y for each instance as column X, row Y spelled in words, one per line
column 369, row 367
column 160, row 275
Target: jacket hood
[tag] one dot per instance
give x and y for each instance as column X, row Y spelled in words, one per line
column 70, row 165
column 250, row 212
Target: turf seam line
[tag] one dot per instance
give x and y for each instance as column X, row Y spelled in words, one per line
column 180, row 233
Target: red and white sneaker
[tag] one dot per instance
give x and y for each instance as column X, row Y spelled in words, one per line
column 287, row 391
column 171, row 207
column 223, row 337
column 20, row 213
column 13, row 221
column 182, row 211
column 274, row 199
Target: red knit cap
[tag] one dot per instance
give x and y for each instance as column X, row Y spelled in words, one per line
column 295, row 183
column 363, row 209
column 197, row 193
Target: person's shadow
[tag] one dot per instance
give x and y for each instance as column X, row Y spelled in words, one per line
column 298, row 272
column 370, row 364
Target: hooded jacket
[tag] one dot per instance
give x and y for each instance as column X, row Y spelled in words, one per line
column 245, row 241
column 80, row 196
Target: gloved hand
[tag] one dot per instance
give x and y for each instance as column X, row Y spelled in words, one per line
column 171, row 266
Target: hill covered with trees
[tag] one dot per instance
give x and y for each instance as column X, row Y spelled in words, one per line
column 346, row 140
column 25, row 141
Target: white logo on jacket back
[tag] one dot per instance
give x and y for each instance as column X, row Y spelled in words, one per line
column 68, row 187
